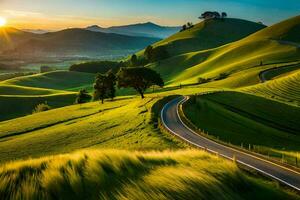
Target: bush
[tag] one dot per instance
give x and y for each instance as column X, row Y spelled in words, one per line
column 41, row 108
column 83, row 96
column 203, row 80
column 221, row 76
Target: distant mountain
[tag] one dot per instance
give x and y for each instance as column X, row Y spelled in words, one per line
column 11, row 37
column 36, row 31
column 143, row 29
column 69, row 42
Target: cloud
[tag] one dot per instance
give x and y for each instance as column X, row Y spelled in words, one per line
column 17, row 13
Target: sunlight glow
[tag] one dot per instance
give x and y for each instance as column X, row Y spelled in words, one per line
column 2, row 21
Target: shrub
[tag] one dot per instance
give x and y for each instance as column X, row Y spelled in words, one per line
column 41, row 108
column 83, row 97
column 203, row 80
column 221, row 76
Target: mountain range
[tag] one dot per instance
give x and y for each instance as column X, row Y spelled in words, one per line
column 69, row 43
column 148, row 29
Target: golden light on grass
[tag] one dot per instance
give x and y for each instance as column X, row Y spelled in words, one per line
column 2, row 21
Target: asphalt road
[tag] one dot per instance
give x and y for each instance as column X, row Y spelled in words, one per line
column 262, row 75
column 171, row 120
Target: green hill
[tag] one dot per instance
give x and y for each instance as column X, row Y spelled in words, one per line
column 286, row 88
column 58, row 80
column 247, row 53
column 287, row 30
column 19, row 96
column 209, row 34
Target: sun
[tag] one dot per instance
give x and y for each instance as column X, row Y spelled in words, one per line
column 2, row 21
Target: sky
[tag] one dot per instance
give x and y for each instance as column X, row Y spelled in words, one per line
column 60, row 14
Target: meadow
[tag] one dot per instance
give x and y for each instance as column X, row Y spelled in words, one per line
column 115, row 174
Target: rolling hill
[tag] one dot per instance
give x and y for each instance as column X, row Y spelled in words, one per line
column 19, row 96
column 286, row 88
column 208, row 34
column 69, row 42
column 261, row 48
column 148, row 29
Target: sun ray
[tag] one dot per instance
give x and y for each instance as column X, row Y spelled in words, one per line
column 2, row 21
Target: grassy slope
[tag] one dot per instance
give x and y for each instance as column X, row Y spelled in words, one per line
column 208, row 34
column 19, row 96
column 114, row 174
column 231, row 58
column 286, row 88
column 122, row 124
column 243, row 118
column 58, row 80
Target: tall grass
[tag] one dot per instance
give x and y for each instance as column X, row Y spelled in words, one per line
column 111, row 174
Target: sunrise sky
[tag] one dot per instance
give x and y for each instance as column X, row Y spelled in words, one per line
column 59, row 14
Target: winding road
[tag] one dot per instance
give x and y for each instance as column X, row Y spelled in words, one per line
column 172, row 121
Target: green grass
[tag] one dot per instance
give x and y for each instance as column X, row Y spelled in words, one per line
column 122, row 124
column 241, row 118
column 285, row 89
column 231, row 58
column 112, row 174
column 208, row 34
column 58, row 80
column 13, row 106
column 19, row 96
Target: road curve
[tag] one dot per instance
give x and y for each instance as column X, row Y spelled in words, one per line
column 262, row 74
column 171, row 120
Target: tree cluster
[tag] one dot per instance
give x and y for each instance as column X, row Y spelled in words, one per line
column 213, row 15
column 187, row 26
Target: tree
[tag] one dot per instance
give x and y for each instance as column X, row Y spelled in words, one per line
column 217, row 15
column 133, row 60
column 184, row 27
column 224, row 15
column 111, row 83
column 148, row 53
column 139, row 78
column 83, row 97
column 100, row 87
column 190, row 25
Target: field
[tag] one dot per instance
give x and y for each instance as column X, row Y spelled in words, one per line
column 19, row 96
column 285, row 89
column 111, row 174
column 91, row 125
